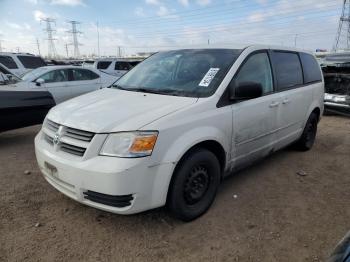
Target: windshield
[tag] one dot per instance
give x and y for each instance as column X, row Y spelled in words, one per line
column 34, row 74
column 190, row 72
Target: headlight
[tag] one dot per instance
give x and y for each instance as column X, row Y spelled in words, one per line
column 130, row 144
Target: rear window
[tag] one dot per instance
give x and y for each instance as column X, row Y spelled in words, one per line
column 103, row 64
column 83, row 74
column 124, row 66
column 312, row 72
column 8, row 62
column 31, row 62
column 288, row 70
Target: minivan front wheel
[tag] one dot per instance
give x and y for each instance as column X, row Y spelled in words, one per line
column 194, row 185
column 308, row 136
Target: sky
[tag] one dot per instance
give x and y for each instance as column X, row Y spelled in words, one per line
column 151, row 25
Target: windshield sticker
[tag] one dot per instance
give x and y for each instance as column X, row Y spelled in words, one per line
column 209, row 77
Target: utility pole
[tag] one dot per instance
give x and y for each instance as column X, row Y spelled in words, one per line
column 98, row 40
column 75, row 34
column 38, row 46
column 66, row 47
column 1, row 43
column 342, row 39
column 119, row 52
column 51, row 49
column 295, row 40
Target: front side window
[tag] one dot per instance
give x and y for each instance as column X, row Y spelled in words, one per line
column 103, row 64
column 288, row 70
column 31, row 62
column 189, row 72
column 55, row 76
column 256, row 69
column 83, row 74
column 8, row 62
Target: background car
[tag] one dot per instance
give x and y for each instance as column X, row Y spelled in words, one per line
column 20, row 63
column 6, row 77
column 336, row 72
column 65, row 82
column 115, row 66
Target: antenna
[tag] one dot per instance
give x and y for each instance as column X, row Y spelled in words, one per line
column 51, row 49
column 342, row 40
column 75, row 34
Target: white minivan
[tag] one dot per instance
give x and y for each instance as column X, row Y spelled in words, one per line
column 169, row 130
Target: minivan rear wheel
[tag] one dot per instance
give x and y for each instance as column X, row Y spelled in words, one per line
column 194, row 185
column 308, row 136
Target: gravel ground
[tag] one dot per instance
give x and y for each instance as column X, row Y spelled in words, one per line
column 267, row 212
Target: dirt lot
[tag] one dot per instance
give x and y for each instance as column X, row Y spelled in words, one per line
column 277, row 215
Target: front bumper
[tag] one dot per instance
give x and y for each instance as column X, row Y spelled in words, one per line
column 332, row 101
column 134, row 182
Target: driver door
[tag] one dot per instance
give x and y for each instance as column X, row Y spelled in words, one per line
column 255, row 120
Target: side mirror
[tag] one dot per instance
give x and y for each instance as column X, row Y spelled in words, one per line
column 39, row 81
column 245, row 90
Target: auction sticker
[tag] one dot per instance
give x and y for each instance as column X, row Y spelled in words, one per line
column 209, row 77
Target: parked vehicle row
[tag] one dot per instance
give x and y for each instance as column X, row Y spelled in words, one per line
column 27, row 102
column 168, row 132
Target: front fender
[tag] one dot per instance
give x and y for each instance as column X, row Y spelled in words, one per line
column 176, row 149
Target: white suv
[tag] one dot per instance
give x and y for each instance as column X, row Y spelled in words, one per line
column 115, row 66
column 20, row 63
column 169, row 131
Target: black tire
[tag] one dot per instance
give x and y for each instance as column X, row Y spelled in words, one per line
column 194, row 185
column 308, row 136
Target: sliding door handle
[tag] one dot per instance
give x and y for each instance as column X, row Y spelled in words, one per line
column 286, row 101
column 274, row 104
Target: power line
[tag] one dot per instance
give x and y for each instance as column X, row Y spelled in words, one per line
column 220, row 13
column 223, row 27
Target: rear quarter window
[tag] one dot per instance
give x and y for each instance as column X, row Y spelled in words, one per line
column 312, row 72
column 288, row 70
column 8, row 62
column 31, row 62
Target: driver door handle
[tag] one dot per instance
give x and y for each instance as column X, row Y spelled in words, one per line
column 274, row 104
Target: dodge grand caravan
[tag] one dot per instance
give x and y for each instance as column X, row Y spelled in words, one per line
column 169, row 130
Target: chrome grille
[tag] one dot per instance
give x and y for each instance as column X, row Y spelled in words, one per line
column 52, row 125
column 71, row 140
column 75, row 150
column 79, row 134
column 49, row 139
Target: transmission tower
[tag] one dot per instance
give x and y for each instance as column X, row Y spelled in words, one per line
column 51, row 49
column 342, row 40
column 75, row 34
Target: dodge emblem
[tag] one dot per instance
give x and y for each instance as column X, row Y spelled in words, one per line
column 56, row 139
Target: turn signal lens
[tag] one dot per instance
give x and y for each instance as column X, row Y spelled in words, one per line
column 143, row 144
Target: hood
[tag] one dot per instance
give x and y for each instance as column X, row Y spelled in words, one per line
column 20, row 86
column 112, row 110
